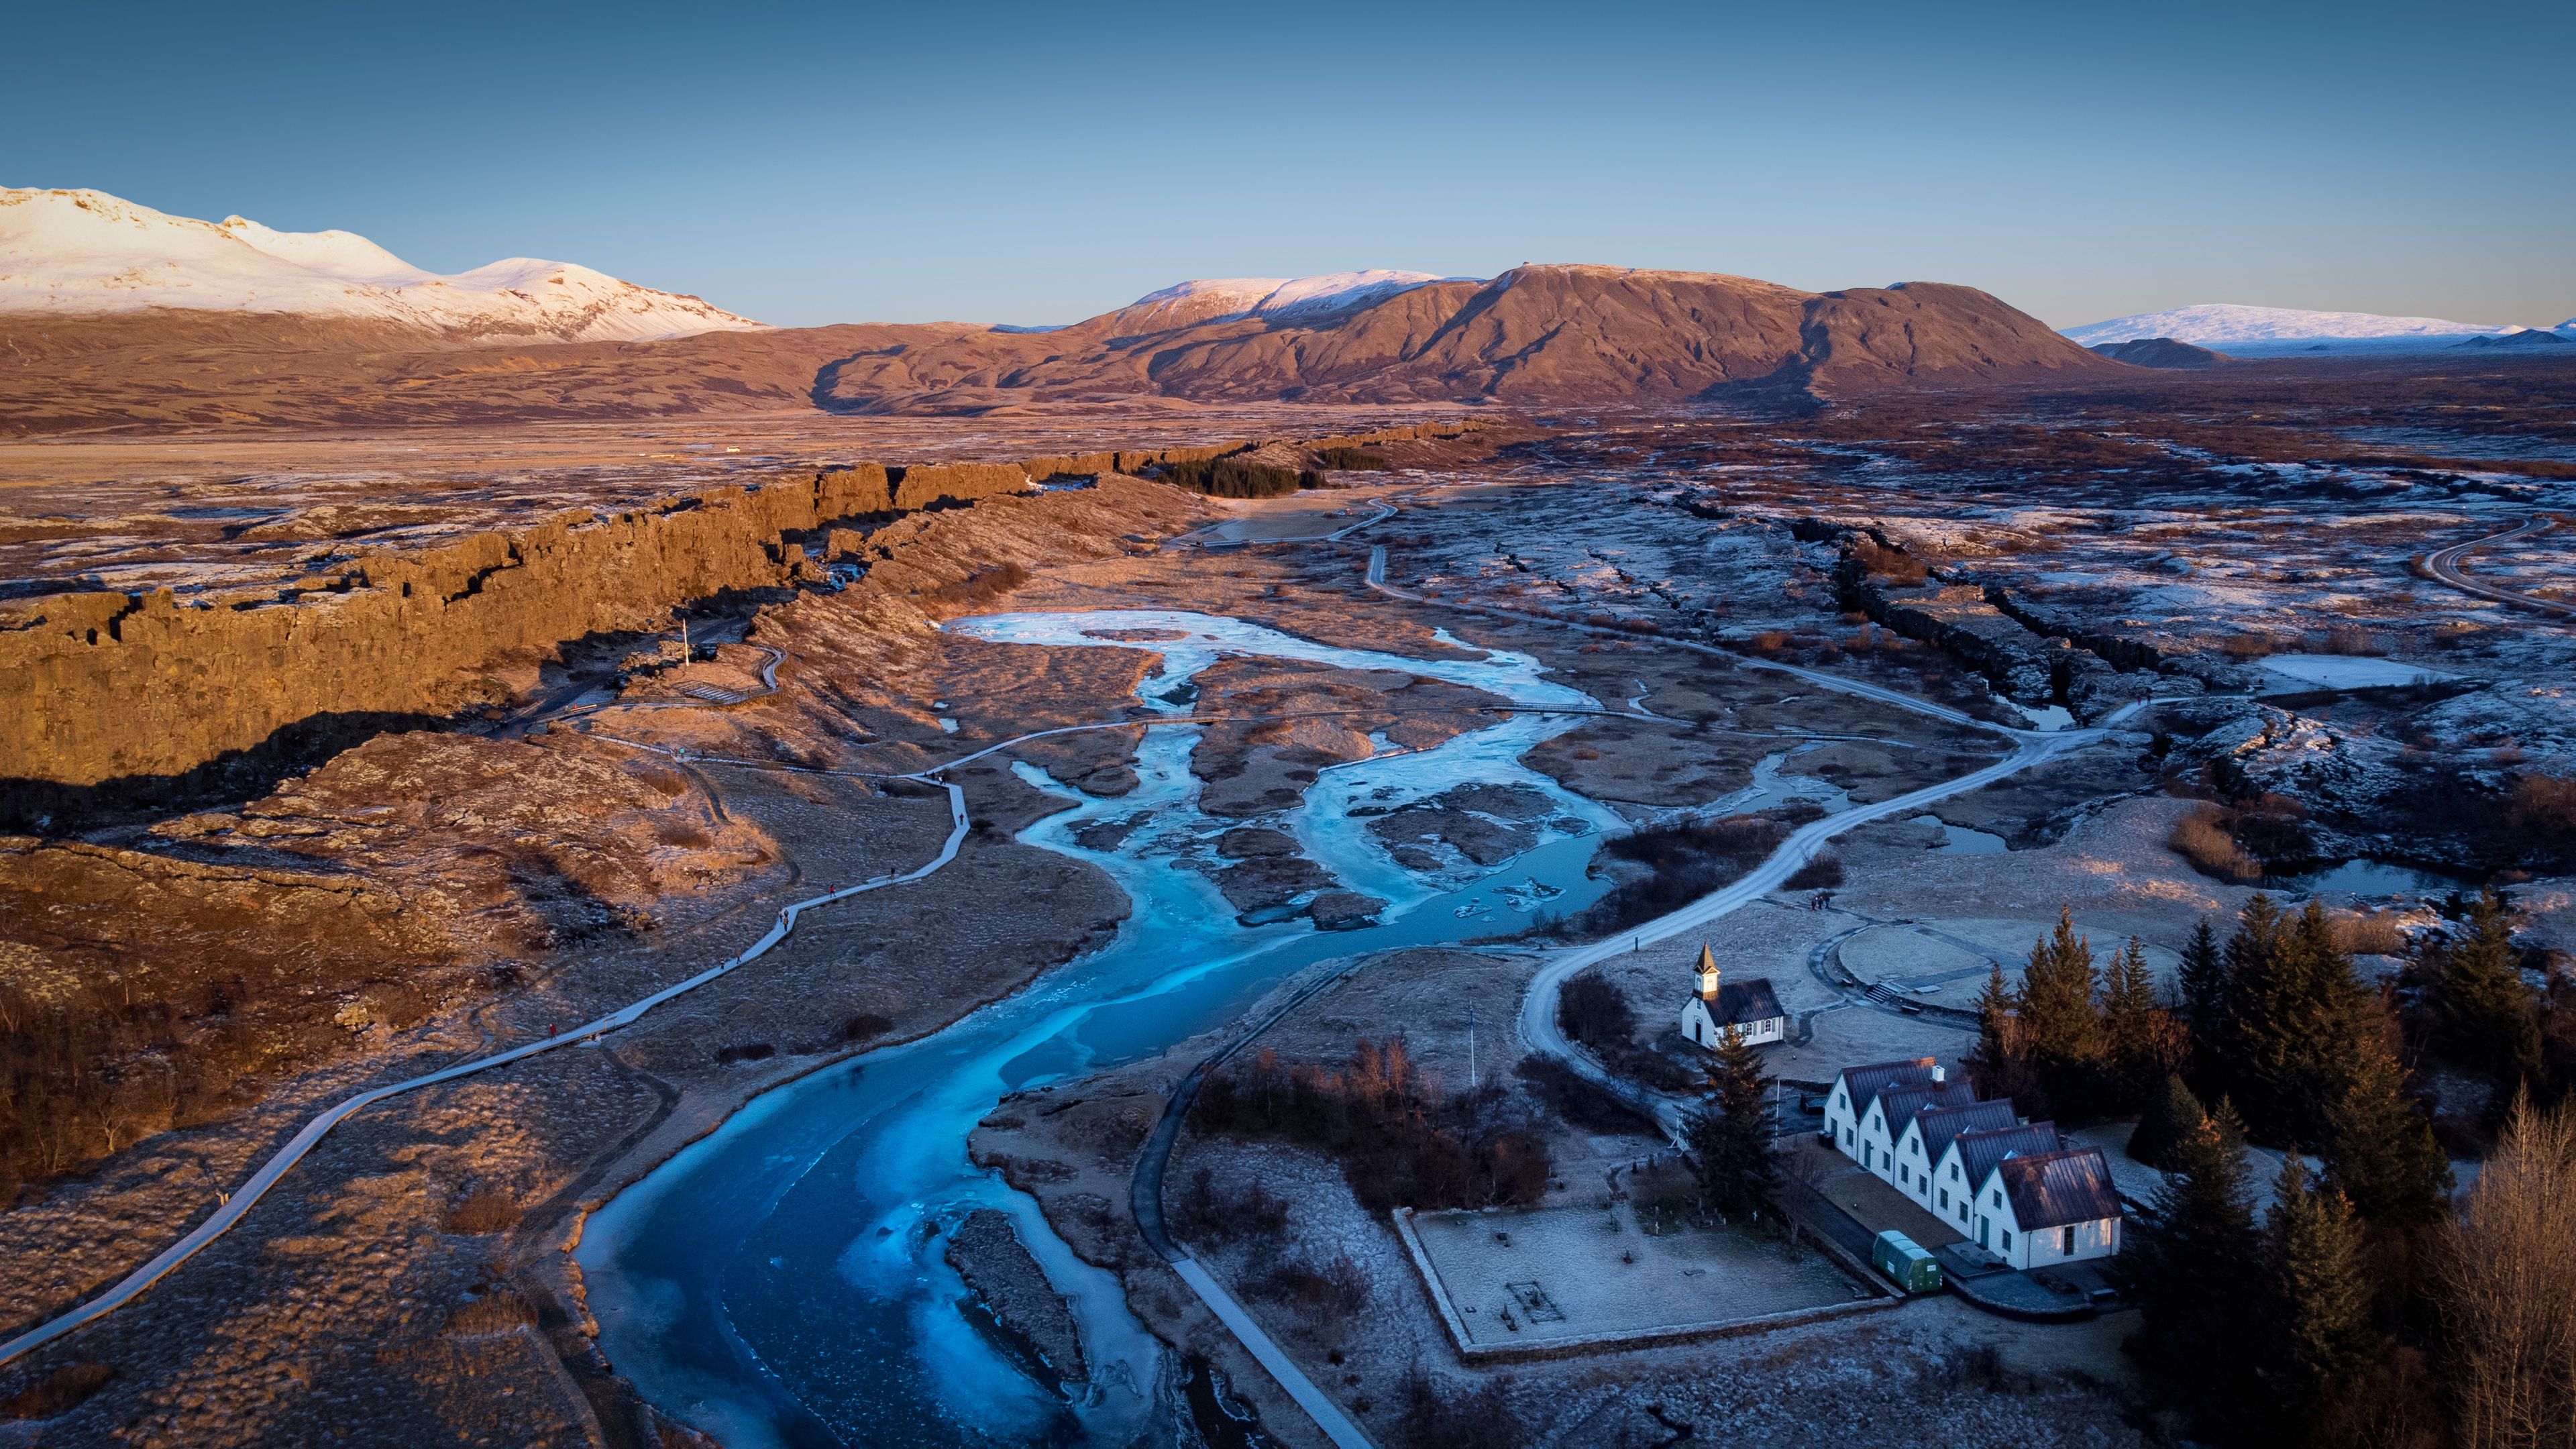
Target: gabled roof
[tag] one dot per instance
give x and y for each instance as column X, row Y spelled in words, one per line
column 1867, row 1082
column 1941, row 1124
column 1903, row 1103
column 2051, row 1189
column 1741, row 1003
column 1980, row 1151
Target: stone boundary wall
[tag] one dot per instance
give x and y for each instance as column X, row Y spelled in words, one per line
column 107, row 686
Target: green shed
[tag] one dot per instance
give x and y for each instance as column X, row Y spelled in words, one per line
column 1905, row 1264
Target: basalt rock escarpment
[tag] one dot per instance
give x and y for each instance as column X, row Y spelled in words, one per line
column 108, row 686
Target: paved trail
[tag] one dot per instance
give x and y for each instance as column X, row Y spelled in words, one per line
column 2443, row 564
column 1537, row 1022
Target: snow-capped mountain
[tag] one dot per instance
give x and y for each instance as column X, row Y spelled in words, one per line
column 1226, row 298
column 2231, row 328
column 89, row 252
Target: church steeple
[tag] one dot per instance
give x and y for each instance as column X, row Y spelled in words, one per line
column 1707, row 973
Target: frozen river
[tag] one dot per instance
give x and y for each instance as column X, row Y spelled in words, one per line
column 782, row 1281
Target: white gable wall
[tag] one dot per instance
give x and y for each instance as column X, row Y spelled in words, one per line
column 1840, row 1124
column 1913, row 1170
column 2000, row 1233
column 1701, row 1027
column 1951, row 1192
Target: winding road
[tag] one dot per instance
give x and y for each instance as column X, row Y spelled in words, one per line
column 1537, row 1021
column 2443, row 565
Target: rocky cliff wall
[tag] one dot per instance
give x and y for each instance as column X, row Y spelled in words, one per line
column 107, row 687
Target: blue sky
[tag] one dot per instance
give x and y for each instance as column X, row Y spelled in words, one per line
column 1021, row 163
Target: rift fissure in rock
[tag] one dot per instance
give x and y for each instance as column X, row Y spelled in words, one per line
column 108, row 686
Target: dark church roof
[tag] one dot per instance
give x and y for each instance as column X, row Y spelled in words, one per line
column 1742, row 1003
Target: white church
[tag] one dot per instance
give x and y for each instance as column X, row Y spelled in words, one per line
column 1751, row 1007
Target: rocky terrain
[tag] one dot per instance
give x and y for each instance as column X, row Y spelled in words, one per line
column 537, row 812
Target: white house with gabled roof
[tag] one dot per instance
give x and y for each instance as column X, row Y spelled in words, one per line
column 1970, row 1159
column 1927, row 1140
column 2035, row 1209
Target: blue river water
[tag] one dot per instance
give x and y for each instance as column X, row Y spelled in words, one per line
column 782, row 1280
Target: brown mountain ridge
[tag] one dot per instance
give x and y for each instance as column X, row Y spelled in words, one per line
column 1541, row 334
column 1555, row 334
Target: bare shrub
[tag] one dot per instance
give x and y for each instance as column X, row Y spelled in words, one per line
column 1205, row 1215
column 498, row 1311
column 484, row 1210
column 1400, row 1141
column 1688, row 861
column 2351, row 639
column 1586, row 1104
column 863, row 1026
column 2369, row 933
column 2541, row 814
column 2247, row 646
column 1477, row 1418
column 682, row 833
column 1337, row 1288
column 2201, row 838
column 1591, row 1011
column 1821, row 873
column 1892, row 564
column 56, row 1391
column 2501, row 1276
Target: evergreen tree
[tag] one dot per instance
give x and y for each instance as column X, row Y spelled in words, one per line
column 2171, row 1114
column 2300, row 1025
column 2000, row 1064
column 2249, row 958
column 2140, row 1039
column 2204, row 990
column 2379, row 1151
column 2484, row 1018
column 2185, row 1262
column 2058, row 1012
column 2320, row 1339
column 1730, row 1139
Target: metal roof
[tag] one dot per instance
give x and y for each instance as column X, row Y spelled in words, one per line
column 1903, row 1103
column 1942, row 1123
column 2052, row 1189
column 1741, row 1003
column 1979, row 1152
column 1867, row 1082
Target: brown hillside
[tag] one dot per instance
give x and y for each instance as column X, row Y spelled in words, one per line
column 172, row 368
column 1929, row 333
column 1535, row 335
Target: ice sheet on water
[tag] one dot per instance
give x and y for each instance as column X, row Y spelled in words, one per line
column 2337, row 671
column 1190, row 642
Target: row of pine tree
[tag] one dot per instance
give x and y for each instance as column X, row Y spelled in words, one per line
column 2326, row 1319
